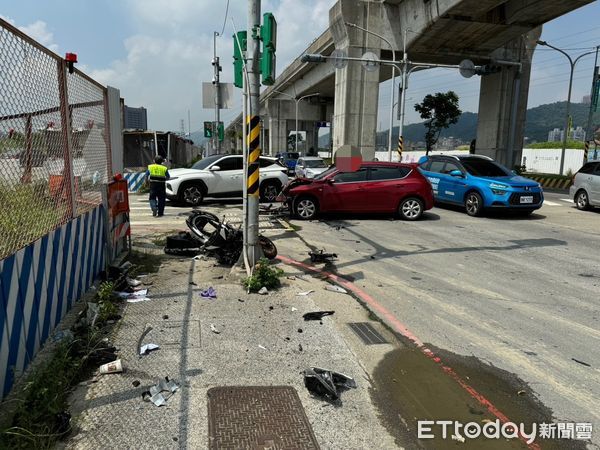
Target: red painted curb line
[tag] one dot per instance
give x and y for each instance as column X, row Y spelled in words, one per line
column 399, row 327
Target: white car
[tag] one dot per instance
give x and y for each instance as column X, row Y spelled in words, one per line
column 310, row 166
column 585, row 190
column 223, row 176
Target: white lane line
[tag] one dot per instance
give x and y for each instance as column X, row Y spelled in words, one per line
column 568, row 200
column 546, row 202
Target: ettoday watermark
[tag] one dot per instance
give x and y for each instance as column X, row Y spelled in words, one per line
column 430, row 429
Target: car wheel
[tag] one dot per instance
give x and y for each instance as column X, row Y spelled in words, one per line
column 192, row 194
column 306, row 208
column 410, row 208
column 269, row 191
column 582, row 200
column 474, row 204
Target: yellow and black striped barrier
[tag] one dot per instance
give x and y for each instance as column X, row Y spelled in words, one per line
column 550, row 182
column 400, row 148
column 586, row 150
column 253, row 141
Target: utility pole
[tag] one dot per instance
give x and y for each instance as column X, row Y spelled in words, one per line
column 589, row 134
column 253, row 129
column 217, row 69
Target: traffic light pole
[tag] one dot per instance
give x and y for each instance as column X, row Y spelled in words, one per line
column 217, row 69
column 253, row 131
column 589, row 136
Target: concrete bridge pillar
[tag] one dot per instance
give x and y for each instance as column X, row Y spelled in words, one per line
column 503, row 103
column 356, row 90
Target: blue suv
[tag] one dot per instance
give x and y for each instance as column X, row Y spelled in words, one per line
column 478, row 182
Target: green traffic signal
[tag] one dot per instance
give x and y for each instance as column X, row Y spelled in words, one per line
column 208, row 129
column 238, row 57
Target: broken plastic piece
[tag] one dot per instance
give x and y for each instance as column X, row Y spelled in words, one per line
column 214, row 329
column 147, row 348
column 317, row 315
column 209, row 293
column 133, row 295
column 133, row 282
column 321, row 256
column 147, row 330
column 155, row 395
column 262, row 347
column 305, row 293
column 263, row 291
column 458, row 438
column 326, row 383
column 334, row 288
column 294, row 309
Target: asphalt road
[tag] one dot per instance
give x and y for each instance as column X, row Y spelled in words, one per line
column 522, row 294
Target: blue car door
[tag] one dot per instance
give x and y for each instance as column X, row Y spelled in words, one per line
column 437, row 178
column 454, row 187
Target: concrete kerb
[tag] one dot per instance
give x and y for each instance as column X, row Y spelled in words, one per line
column 400, row 329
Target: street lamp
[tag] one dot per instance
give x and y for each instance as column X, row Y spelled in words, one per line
column 572, row 62
column 297, row 100
column 353, row 25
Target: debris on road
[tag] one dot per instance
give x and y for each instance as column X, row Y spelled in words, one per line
column 317, row 315
column 521, row 392
column 305, row 293
column 320, row 256
column 154, row 394
column 305, row 278
column 112, row 367
column 326, row 383
column 147, row 330
column 135, row 383
column 147, row 348
column 294, row 309
column 132, row 282
column 334, row 288
column 583, row 363
column 214, row 329
column 263, row 291
column 209, row 293
column 262, row 347
column 133, row 297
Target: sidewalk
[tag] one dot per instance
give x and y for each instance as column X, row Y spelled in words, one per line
column 262, row 342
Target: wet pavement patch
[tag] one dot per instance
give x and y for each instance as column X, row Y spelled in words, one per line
column 409, row 386
column 258, row 417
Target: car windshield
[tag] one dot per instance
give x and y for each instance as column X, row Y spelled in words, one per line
column 205, row 162
column 484, row 168
column 315, row 163
column 326, row 173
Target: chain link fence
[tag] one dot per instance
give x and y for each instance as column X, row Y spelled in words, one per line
column 54, row 148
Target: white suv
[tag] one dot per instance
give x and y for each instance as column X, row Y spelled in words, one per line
column 223, row 176
column 585, row 189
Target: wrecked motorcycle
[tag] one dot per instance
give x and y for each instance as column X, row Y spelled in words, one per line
column 214, row 237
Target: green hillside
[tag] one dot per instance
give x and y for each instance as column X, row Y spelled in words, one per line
column 540, row 120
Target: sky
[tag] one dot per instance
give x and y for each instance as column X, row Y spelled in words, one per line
column 159, row 52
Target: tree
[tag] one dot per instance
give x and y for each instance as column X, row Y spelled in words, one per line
column 439, row 111
column 291, row 141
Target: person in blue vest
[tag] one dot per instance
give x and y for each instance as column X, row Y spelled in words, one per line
column 157, row 175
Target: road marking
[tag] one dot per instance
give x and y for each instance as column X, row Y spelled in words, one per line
column 546, row 202
column 568, row 200
column 402, row 329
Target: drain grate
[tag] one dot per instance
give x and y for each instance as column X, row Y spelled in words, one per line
column 258, row 417
column 368, row 334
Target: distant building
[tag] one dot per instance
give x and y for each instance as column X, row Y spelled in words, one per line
column 556, row 135
column 578, row 134
column 135, row 118
column 586, row 99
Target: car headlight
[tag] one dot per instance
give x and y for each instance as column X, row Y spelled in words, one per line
column 172, row 178
column 498, row 189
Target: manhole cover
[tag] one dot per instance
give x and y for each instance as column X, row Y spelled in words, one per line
column 368, row 334
column 258, row 417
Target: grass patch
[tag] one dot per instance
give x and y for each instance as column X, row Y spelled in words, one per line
column 42, row 417
column 28, row 213
column 263, row 276
column 570, row 144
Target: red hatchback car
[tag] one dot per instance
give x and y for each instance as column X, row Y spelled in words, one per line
column 381, row 187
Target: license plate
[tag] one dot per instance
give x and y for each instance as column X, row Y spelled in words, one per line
column 527, row 199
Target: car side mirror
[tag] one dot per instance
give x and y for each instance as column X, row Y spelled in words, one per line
column 330, row 181
column 457, row 173
column 215, row 168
